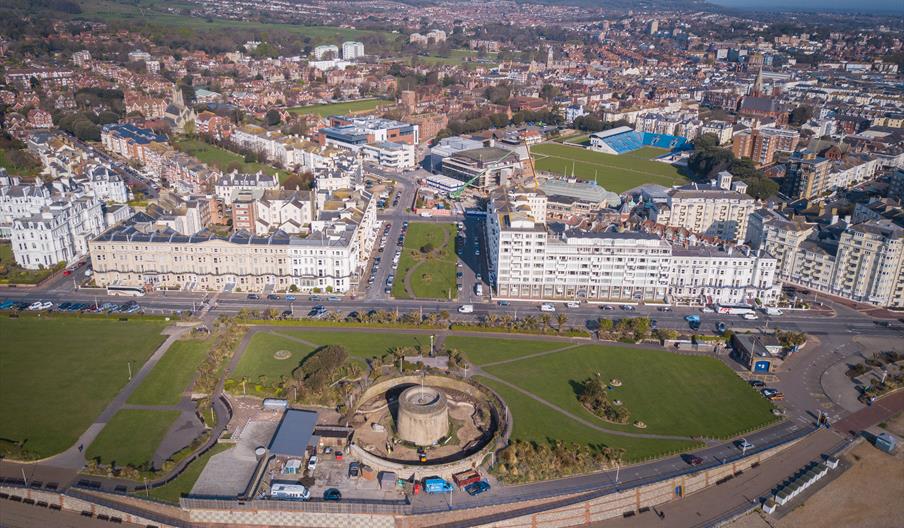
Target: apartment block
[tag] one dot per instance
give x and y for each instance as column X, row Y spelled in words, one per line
column 720, row 209
column 531, row 259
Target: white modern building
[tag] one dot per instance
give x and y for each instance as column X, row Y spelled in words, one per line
column 530, row 259
column 352, row 50
column 326, row 51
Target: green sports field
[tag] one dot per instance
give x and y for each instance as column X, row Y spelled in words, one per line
column 58, row 374
column 614, row 173
column 324, row 110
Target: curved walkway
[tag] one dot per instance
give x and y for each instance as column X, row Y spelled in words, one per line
column 578, row 418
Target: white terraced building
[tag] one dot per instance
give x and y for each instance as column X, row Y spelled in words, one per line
column 530, row 259
column 330, row 258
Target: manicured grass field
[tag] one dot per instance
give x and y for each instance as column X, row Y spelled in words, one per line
column 125, row 12
column 325, row 110
column 131, row 437
column 483, row 350
column 535, row 422
column 258, row 359
column 434, row 273
column 458, row 57
column 172, row 375
column 614, row 173
column 57, row 375
column 222, row 158
column 672, row 394
column 181, row 486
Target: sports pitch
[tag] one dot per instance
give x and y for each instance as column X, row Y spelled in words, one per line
column 614, row 173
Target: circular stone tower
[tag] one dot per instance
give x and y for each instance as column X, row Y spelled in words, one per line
column 423, row 415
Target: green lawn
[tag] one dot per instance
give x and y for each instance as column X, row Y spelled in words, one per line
column 614, row 173
column 150, row 13
column 131, row 437
column 57, row 375
column 325, row 110
column 222, row 158
column 672, row 394
column 535, row 422
column 434, row 277
column 483, row 350
column 181, row 486
column 458, row 57
column 258, row 358
column 172, row 375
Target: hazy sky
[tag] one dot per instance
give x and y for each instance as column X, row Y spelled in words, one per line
column 853, row 5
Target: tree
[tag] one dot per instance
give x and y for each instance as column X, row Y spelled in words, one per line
column 561, row 320
column 549, row 92
column 800, row 115
column 271, row 118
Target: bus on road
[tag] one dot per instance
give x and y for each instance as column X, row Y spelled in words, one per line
column 133, row 291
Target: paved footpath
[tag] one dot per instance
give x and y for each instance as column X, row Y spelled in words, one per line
column 708, row 506
column 63, row 467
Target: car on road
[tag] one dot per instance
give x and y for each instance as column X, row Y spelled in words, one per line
column 547, row 307
column 627, row 308
column 312, row 463
column 290, row 298
column 750, row 316
column 573, row 304
column 476, row 488
column 707, row 309
column 665, row 309
column 607, row 307
column 332, row 495
column 743, row 444
column 692, row 460
column 466, row 308
column 502, row 303
column 273, row 297
column 253, row 296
